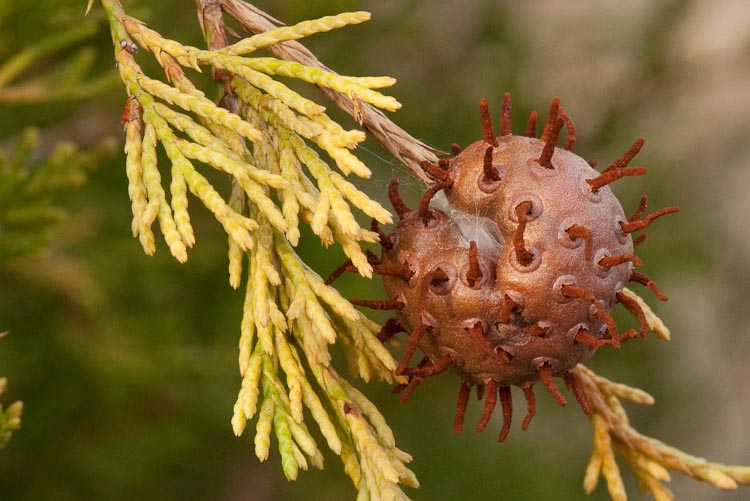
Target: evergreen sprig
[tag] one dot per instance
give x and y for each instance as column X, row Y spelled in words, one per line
column 267, row 138
column 10, row 418
column 649, row 459
column 54, row 67
column 29, row 188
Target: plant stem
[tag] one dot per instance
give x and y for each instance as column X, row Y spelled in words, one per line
column 406, row 148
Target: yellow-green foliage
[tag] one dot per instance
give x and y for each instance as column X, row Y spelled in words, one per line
column 268, row 138
column 648, row 458
column 10, row 418
column 55, row 66
column 28, row 188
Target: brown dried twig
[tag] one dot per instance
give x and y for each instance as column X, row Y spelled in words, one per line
column 402, row 145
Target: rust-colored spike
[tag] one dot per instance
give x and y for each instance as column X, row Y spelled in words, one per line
column 411, row 346
column 611, row 176
column 390, row 329
column 372, row 258
column 489, row 405
column 506, row 402
column 475, row 272
column 531, row 124
column 608, row 262
column 545, row 374
column 508, row 308
column 583, row 336
column 572, row 383
column 429, row 368
column 643, row 279
column 463, row 400
column 640, row 210
column 552, row 116
column 455, row 149
column 638, row 241
column 434, row 171
column 488, row 131
column 579, row 293
column 578, row 231
column 378, row 304
column 338, row 272
column 433, row 369
column 480, row 392
column 407, row 389
column 385, row 240
column 424, row 204
column 490, row 173
column 632, row 226
column 505, row 129
column 398, row 205
column 630, row 334
column 391, row 270
column 571, row 139
column 545, row 159
column 502, row 355
column 444, row 163
column 536, row 330
column 633, row 307
column 437, row 278
column 626, row 157
column 477, row 334
column 524, row 256
column 593, row 163
column 528, row 392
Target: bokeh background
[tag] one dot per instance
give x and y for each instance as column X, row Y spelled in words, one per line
column 127, row 364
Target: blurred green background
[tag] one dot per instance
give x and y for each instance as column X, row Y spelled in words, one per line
column 127, row 364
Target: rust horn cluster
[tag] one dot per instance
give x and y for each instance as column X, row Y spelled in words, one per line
column 511, row 278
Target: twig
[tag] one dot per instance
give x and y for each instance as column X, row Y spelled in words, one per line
column 404, row 147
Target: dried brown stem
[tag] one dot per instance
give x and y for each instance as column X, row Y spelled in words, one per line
column 403, row 146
